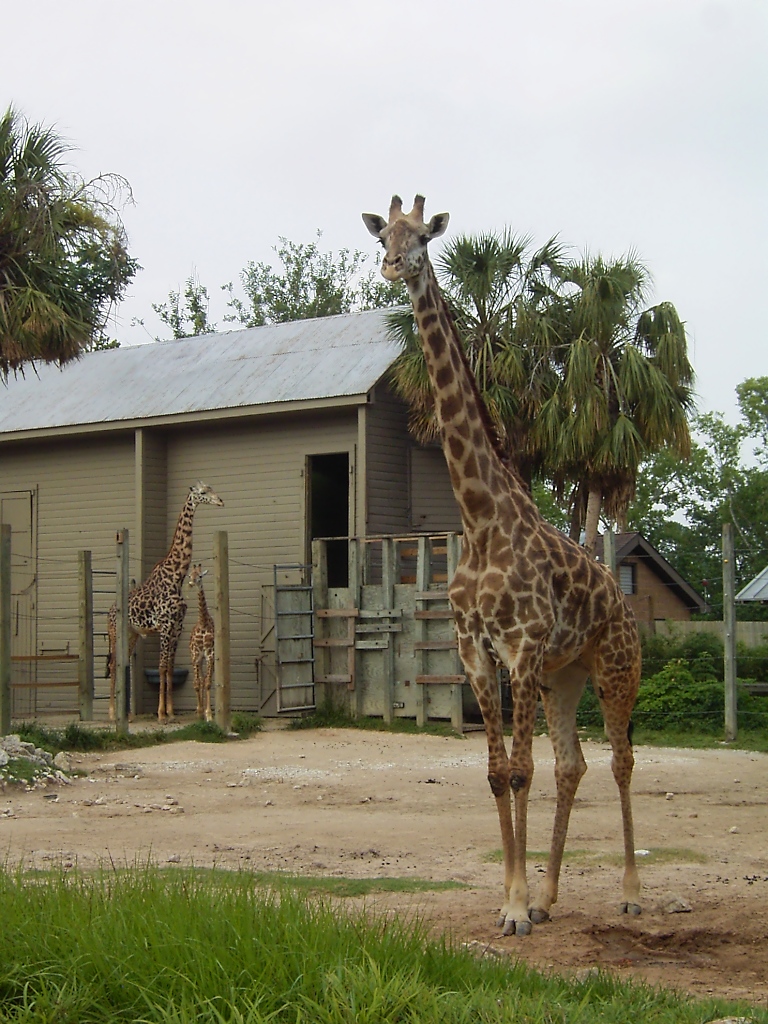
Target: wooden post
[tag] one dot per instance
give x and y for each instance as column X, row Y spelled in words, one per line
column 423, row 576
column 85, row 629
column 121, row 638
column 5, row 629
column 609, row 550
column 388, row 604
column 453, row 553
column 322, row 654
column 729, row 632
column 356, row 597
column 222, row 664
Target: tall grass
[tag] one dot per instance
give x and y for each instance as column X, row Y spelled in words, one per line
column 175, row 947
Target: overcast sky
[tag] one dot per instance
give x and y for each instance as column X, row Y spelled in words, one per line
column 616, row 124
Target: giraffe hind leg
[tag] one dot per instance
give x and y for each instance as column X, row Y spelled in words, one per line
column 560, row 694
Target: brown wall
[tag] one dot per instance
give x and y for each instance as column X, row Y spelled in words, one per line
column 654, row 599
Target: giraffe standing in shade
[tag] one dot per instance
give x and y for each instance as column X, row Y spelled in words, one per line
column 523, row 595
column 201, row 641
column 157, row 605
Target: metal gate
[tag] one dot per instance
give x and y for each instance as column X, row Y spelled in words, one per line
column 294, row 635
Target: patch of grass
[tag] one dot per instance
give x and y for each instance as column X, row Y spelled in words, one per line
column 332, row 886
column 78, row 738
column 22, row 771
column 176, row 948
column 331, row 716
column 569, row 857
column 245, row 723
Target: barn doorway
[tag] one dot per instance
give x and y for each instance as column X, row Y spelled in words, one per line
column 328, row 479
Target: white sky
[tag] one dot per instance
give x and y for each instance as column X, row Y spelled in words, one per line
column 616, row 124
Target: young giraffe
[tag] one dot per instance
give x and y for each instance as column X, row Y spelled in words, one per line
column 523, row 595
column 201, row 645
column 157, row 605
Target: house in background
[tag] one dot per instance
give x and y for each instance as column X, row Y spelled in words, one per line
column 293, row 425
column 756, row 590
column 655, row 590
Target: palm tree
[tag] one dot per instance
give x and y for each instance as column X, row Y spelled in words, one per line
column 624, row 389
column 63, row 254
column 502, row 298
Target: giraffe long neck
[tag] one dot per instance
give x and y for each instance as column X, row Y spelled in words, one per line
column 203, row 615
column 477, row 472
column 179, row 556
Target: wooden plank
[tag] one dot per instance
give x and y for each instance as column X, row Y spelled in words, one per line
column 431, row 595
column 337, row 613
column 42, row 686
column 334, row 641
column 380, row 627
column 45, row 657
column 435, row 645
column 387, row 614
column 372, row 645
column 437, row 613
column 333, row 679
column 436, row 680
column 222, row 671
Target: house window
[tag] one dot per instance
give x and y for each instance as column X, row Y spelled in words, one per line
column 627, row 578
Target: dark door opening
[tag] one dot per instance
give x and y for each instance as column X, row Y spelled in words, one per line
column 329, row 510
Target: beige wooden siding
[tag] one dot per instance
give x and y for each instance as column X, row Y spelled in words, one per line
column 259, row 472
column 85, row 494
column 387, row 464
column 434, row 507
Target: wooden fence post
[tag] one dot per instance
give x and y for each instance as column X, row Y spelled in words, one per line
column 388, row 568
column 356, row 558
column 121, row 637
column 5, row 629
column 85, row 629
column 453, row 554
column 221, row 658
column 729, row 632
column 322, row 654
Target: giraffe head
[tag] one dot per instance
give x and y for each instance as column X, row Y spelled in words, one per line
column 196, row 576
column 405, row 238
column 202, row 494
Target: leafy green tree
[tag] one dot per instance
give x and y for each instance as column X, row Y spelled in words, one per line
column 623, row 389
column 186, row 314
column 501, row 296
column 309, row 283
column 681, row 504
column 64, row 261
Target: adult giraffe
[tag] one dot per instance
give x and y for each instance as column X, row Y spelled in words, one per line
column 157, row 606
column 523, row 595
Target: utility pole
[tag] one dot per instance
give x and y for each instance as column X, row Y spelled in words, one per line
column 121, row 638
column 729, row 632
column 221, row 657
column 5, row 629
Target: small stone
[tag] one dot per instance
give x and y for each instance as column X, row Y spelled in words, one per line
column 268, row 803
column 63, row 760
column 676, row 905
column 670, row 796
column 587, row 972
column 365, row 800
column 174, row 859
column 734, row 830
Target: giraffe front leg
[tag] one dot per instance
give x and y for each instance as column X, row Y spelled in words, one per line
column 481, row 673
column 208, row 679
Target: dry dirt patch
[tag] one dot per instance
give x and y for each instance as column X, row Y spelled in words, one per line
column 360, row 804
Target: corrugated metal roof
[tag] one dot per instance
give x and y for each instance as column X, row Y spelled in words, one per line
column 756, row 589
column 304, row 360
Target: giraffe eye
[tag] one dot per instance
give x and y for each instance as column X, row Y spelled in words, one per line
column 424, row 239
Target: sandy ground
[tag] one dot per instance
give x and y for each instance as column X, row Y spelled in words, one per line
column 346, row 803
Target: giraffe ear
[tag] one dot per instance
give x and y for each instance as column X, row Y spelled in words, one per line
column 437, row 225
column 374, row 223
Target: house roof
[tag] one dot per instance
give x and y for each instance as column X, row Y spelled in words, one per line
column 634, row 544
column 756, row 589
column 338, row 357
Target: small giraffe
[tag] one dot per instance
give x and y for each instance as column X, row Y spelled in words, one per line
column 523, row 595
column 157, row 605
column 201, row 645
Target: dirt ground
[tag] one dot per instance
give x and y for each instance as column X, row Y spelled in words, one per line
column 352, row 804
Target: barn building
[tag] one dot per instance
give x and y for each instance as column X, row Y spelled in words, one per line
column 296, row 428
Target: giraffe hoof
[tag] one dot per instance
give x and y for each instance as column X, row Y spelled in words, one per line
column 538, row 916
column 632, row 909
column 512, row 927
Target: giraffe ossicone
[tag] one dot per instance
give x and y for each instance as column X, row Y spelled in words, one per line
column 157, row 605
column 523, row 595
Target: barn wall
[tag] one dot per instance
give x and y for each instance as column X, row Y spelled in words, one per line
column 387, row 446
column 85, row 493
column 434, row 506
column 258, row 470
